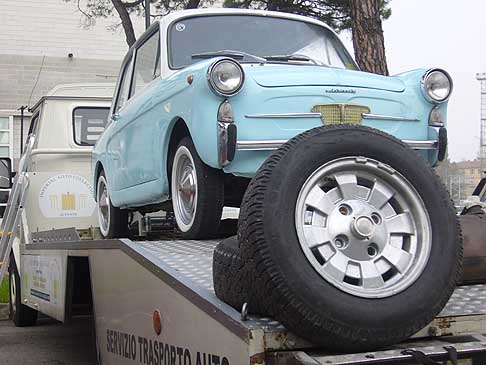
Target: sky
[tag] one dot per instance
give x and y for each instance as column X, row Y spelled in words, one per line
column 450, row 35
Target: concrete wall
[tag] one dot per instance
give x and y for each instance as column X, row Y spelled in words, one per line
column 55, row 28
column 36, row 37
column 24, row 79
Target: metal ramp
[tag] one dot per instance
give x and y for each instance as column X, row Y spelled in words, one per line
column 186, row 267
column 190, row 262
column 193, row 261
column 11, row 218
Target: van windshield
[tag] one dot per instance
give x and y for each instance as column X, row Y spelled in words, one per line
column 267, row 37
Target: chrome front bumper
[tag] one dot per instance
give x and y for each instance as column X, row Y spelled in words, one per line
column 270, row 145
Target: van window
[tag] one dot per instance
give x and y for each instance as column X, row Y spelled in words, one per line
column 33, row 124
column 88, row 124
column 4, row 194
column 146, row 63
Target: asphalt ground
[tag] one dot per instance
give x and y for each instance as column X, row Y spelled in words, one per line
column 47, row 343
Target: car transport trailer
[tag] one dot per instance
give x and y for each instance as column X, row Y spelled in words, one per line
column 154, row 303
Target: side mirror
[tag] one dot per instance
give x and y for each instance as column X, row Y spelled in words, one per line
column 5, row 173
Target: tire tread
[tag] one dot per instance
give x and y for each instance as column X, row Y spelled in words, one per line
column 278, row 298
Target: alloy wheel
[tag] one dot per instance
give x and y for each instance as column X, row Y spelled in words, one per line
column 363, row 227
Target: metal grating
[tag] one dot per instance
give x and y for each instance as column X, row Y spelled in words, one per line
column 193, row 260
column 466, row 300
column 341, row 113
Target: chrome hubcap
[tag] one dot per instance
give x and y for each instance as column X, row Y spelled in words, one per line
column 103, row 205
column 184, row 188
column 363, row 227
column 13, row 293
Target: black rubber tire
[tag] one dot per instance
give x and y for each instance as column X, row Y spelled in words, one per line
column 22, row 316
column 234, row 280
column 118, row 226
column 210, row 199
column 298, row 296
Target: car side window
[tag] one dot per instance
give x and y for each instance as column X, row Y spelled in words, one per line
column 124, row 88
column 147, row 61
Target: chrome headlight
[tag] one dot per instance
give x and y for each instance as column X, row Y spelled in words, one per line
column 436, row 85
column 226, row 77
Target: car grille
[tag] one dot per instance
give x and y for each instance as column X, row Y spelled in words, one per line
column 341, row 113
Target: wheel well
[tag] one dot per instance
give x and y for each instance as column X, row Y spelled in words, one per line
column 79, row 299
column 98, row 169
column 179, row 131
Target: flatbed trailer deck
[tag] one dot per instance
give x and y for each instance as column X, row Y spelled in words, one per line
column 133, row 280
column 153, row 302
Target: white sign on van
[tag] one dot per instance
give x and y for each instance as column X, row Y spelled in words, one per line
column 44, row 278
column 66, row 196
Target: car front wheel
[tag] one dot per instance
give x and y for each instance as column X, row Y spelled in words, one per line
column 197, row 193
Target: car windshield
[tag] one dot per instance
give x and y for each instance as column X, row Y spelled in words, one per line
column 276, row 39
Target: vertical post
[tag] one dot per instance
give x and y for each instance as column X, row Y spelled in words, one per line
column 147, row 14
column 481, row 77
column 22, row 108
column 460, row 197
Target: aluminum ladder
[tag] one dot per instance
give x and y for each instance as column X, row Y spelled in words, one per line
column 11, row 218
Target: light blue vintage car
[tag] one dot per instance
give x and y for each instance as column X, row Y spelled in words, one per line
column 204, row 96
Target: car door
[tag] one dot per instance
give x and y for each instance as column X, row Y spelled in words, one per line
column 115, row 134
column 138, row 162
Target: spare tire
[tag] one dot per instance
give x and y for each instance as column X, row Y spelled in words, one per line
column 234, row 280
column 354, row 236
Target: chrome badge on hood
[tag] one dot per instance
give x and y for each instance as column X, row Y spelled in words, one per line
column 340, row 91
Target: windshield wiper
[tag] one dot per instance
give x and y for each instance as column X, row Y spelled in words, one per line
column 228, row 53
column 291, row 57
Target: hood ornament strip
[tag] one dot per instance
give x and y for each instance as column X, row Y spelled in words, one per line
column 285, row 115
column 388, row 117
column 318, row 115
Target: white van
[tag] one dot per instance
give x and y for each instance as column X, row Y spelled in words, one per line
column 66, row 123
